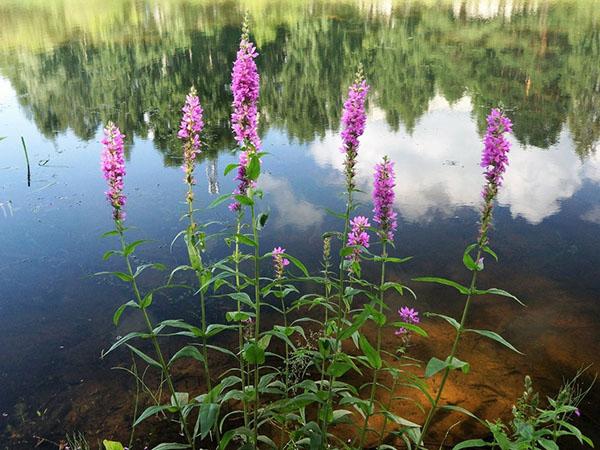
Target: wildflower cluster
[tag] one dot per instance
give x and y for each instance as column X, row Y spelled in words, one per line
column 383, row 198
column 494, row 160
column 354, row 119
column 358, row 236
column 294, row 376
column 279, row 262
column 113, row 167
column 189, row 131
column 408, row 315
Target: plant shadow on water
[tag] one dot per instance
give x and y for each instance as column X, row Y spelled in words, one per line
column 434, row 72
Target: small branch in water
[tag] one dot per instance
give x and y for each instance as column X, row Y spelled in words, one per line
column 27, row 159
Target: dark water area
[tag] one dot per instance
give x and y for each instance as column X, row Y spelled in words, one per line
column 69, row 66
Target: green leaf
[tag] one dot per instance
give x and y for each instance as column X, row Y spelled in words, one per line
column 471, row 443
column 372, row 355
column 124, row 339
column 501, row 292
column 112, row 445
column 411, row 327
column 548, row 444
column 262, row 220
column 448, row 319
column 245, row 240
column 338, row 368
column 146, row 301
column 170, row 446
column 230, row 167
column 341, row 416
column 495, row 337
column 253, row 168
column 189, row 351
column 110, row 253
column 489, row 251
column 244, row 200
column 152, row 410
column 462, row 410
column 145, row 357
column 207, row 419
column 238, row 316
column 243, row 298
column 220, row 199
column 392, row 259
column 459, row 287
column 435, row 365
column 264, row 341
column 119, row 311
column 216, row 328
column 129, row 249
column 295, row 261
column 254, row 354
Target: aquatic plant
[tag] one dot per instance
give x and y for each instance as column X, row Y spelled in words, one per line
column 291, row 383
column 494, row 161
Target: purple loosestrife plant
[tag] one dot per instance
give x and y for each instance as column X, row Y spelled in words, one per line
column 279, row 262
column 354, row 119
column 113, row 168
column 408, row 315
column 358, row 237
column 353, row 126
column 191, row 126
column 494, row 161
column 245, row 87
column 385, row 217
column 383, row 198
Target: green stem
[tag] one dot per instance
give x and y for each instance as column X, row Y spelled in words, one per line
column 459, row 331
column 327, row 294
column 257, row 321
column 388, row 407
column 240, row 325
column 371, row 407
column 287, row 359
column 155, row 343
column 341, row 315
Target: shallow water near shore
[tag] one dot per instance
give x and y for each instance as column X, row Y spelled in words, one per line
column 435, row 71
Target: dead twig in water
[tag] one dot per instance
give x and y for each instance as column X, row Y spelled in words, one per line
column 27, row 159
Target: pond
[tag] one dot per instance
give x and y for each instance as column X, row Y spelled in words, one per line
column 69, row 66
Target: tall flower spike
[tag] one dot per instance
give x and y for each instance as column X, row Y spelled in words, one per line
column 353, row 124
column 383, row 198
column 113, row 167
column 358, row 236
column 279, row 262
column 245, row 86
column 494, row 160
column 191, row 126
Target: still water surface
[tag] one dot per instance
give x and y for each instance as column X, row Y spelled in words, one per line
column 436, row 69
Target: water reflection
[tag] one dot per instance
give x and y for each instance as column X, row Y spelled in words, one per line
column 134, row 60
column 440, row 173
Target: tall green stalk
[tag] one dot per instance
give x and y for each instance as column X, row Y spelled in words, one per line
column 257, row 321
column 371, row 406
column 199, row 269
column 155, row 343
column 341, row 314
column 236, row 260
column 453, row 352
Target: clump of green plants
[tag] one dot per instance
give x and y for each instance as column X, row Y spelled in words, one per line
column 290, row 383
